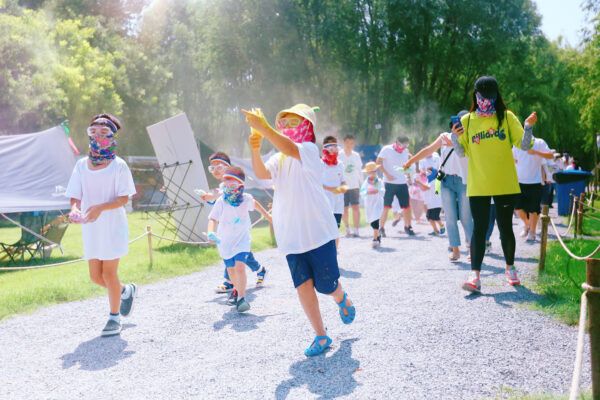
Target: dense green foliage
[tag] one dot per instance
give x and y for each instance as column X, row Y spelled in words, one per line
column 376, row 68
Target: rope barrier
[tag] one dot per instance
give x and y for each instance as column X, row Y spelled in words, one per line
column 60, row 263
column 575, row 383
column 179, row 241
column 569, row 252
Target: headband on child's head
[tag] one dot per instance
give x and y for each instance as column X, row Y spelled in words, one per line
column 105, row 122
column 233, row 176
column 220, row 158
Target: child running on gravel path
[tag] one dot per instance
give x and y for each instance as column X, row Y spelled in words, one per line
column 304, row 226
column 372, row 190
column 218, row 163
column 229, row 227
column 99, row 188
column 333, row 179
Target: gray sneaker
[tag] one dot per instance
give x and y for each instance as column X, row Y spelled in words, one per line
column 112, row 328
column 127, row 304
column 242, row 305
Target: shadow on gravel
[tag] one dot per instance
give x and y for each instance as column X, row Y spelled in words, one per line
column 385, row 250
column 519, row 294
column 222, row 297
column 97, row 354
column 327, row 377
column 241, row 322
column 344, row 273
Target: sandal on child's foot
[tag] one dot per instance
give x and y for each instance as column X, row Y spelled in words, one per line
column 242, row 305
column 232, row 300
column 316, row 347
column 347, row 313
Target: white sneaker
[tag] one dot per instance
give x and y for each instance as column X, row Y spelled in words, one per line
column 524, row 232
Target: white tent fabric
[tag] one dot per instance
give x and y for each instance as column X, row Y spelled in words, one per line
column 34, row 171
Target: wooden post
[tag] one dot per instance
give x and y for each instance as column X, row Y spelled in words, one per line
column 544, row 238
column 593, row 279
column 149, row 235
column 580, row 214
column 574, row 215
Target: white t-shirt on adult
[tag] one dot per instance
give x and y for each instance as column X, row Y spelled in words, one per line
column 333, row 175
column 107, row 237
column 455, row 165
column 352, row 169
column 302, row 217
column 234, row 226
column 392, row 163
column 529, row 166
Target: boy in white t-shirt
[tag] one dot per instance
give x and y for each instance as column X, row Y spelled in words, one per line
column 333, row 179
column 218, row 163
column 353, row 177
column 391, row 158
column 432, row 200
column 529, row 171
column 229, row 227
column 304, row 226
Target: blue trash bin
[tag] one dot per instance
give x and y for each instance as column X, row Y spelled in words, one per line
column 567, row 183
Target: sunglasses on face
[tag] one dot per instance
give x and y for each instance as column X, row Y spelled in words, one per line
column 232, row 184
column 216, row 168
column 100, row 131
column 288, row 122
column 331, row 147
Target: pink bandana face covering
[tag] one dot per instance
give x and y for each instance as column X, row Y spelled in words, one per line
column 398, row 147
column 299, row 134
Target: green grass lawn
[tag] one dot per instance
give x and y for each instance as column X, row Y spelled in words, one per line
column 25, row 291
column 560, row 282
column 591, row 221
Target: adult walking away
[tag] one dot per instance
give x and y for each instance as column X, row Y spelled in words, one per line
column 353, row 178
column 391, row 158
column 486, row 136
column 529, row 171
column 453, row 189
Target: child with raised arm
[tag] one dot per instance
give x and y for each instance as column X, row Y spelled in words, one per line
column 304, row 226
column 229, row 227
column 218, row 163
column 99, row 188
column 372, row 190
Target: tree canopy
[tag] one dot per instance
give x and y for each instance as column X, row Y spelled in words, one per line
column 376, row 68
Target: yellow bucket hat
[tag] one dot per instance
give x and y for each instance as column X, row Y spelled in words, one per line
column 370, row 167
column 302, row 110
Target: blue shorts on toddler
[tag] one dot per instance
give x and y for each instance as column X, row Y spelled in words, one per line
column 243, row 257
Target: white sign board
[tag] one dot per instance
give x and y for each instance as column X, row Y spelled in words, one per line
column 178, row 155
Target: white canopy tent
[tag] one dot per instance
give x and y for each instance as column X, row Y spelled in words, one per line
column 34, row 171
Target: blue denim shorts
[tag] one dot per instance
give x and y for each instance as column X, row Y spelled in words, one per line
column 319, row 264
column 243, row 256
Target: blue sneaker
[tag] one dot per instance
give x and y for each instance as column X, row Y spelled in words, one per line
column 260, row 276
column 316, row 347
column 225, row 287
column 442, row 230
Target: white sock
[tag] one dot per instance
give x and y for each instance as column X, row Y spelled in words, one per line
column 114, row 317
column 126, row 292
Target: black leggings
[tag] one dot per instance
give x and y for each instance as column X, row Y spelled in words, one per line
column 480, row 209
column 375, row 224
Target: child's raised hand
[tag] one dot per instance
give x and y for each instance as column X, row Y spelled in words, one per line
column 256, row 119
column 255, row 139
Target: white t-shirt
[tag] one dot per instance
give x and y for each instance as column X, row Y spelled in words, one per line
column 373, row 195
column 352, row 169
column 455, row 165
column 107, row 237
column 529, row 166
column 432, row 200
column 393, row 162
column 234, row 226
column 333, row 175
column 432, row 161
column 302, row 217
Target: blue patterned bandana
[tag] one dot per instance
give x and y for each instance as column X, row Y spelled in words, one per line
column 485, row 107
column 233, row 196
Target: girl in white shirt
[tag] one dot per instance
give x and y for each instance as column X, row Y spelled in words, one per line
column 304, row 226
column 99, row 188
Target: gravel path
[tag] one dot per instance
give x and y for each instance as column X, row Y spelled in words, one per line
column 417, row 336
